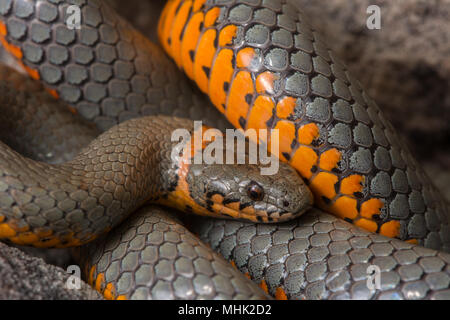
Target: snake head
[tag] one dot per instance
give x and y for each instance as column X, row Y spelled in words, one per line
column 242, row 192
column 220, row 186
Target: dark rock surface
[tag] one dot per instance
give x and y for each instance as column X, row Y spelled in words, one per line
column 28, row 278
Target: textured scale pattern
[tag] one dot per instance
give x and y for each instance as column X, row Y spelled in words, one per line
column 107, row 70
column 38, row 126
column 319, row 256
column 73, row 203
column 264, row 67
column 153, row 256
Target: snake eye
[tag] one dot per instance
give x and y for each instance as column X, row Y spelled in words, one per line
column 255, row 191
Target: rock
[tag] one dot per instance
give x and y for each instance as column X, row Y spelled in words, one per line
column 28, row 278
column 57, row 257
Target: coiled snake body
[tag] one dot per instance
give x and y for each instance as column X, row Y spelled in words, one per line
column 263, row 67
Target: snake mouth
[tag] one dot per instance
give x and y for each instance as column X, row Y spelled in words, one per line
column 260, row 211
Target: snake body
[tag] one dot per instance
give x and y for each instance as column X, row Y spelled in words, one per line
column 320, row 256
column 154, row 256
column 127, row 166
column 45, row 130
column 131, row 164
column 263, row 67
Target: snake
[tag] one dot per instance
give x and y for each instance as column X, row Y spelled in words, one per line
column 264, row 67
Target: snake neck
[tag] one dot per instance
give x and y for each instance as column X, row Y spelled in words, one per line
column 136, row 156
column 73, row 203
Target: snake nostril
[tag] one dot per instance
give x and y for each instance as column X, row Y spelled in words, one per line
column 286, row 203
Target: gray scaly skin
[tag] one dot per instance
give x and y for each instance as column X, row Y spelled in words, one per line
column 81, row 199
column 107, row 70
column 153, row 256
column 319, row 256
